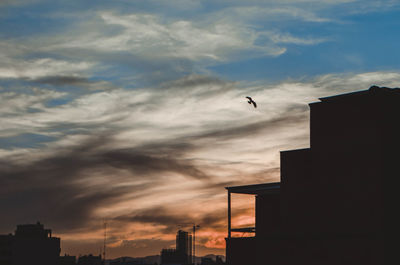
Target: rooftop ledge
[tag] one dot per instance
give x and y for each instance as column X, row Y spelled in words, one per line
column 256, row 189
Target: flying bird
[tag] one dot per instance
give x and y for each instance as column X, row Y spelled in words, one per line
column 251, row 101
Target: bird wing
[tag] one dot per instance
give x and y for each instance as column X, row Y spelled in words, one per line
column 255, row 104
column 249, row 98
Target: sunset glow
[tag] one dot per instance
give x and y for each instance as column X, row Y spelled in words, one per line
column 134, row 112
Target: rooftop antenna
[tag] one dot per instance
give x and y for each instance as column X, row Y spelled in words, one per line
column 105, row 238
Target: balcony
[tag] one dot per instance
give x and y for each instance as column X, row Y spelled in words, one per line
column 260, row 191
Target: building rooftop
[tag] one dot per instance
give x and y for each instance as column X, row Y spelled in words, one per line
column 372, row 91
column 256, row 188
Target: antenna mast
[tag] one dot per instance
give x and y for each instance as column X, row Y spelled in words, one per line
column 105, row 238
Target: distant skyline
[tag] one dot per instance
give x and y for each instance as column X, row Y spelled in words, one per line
column 134, row 112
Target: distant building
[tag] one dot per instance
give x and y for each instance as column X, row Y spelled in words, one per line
column 210, row 261
column 184, row 246
column 207, row 261
column 67, row 260
column 170, row 256
column 31, row 244
column 129, row 261
column 337, row 201
column 182, row 255
column 219, row 261
column 123, row 261
column 90, row 260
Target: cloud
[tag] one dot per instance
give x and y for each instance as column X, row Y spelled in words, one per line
column 39, row 68
column 271, row 12
column 151, row 157
column 24, row 140
column 141, row 42
column 76, row 81
column 145, row 45
column 17, row 102
column 251, row 129
column 145, row 35
column 63, row 80
column 287, row 38
column 171, row 220
column 117, row 112
column 66, row 189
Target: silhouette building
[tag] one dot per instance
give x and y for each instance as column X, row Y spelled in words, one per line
column 90, row 260
column 129, row 261
column 184, row 246
column 207, row 261
column 336, row 202
column 67, row 260
column 182, row 255
column 31, row 244
column 6, row 253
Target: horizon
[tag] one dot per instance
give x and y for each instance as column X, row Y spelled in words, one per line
column 136, row 113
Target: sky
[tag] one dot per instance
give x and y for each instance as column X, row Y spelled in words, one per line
column 134, row 112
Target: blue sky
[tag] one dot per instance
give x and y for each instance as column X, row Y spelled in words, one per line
column 131, row 109
column 288, row 39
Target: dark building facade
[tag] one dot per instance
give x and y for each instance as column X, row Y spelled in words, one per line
column 67, row 260
column 128, row 261
column 31, row 244
column 210, row 261
column 336, row 203
column 90, row 260
column 182, row 255
column 184, row 246
column 6, row 253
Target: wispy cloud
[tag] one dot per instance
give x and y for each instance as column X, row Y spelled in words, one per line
column 127, row 110
column 288, row 38
column 271, row 12
column 38, row 68
column 146, row 35
column 143, row 156
column 161, row 46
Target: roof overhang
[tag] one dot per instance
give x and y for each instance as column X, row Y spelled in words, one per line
column 256, row 189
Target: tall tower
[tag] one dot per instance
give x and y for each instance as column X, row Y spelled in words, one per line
column 184, row 246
